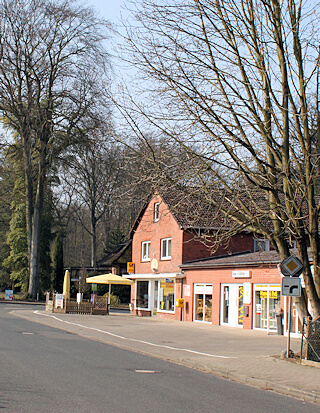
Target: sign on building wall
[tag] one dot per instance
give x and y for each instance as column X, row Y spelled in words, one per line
column 241, row 274
column 187, row 290
column 246, row 293
column 130, row 267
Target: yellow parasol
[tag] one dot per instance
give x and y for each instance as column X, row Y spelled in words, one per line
column 66, row 285
column 109, row 279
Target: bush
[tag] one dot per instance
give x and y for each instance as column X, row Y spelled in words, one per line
column 114, row 299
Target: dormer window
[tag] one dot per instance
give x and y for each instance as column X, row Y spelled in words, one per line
column 156, row 211
column 261, row 245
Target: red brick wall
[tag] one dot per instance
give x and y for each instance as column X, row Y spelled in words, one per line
column 184, row 248
column 148, row 230
column 194, row 249
column 216, row 277
column 183, row 245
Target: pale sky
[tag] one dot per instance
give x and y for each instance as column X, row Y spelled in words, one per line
column 109, row 9
column 112, row 11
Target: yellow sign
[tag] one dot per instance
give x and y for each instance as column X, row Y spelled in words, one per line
column 130, row 267
column 180, row 302
column 272, row 294
column 291, row 266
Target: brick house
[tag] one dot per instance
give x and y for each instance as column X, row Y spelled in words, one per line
column 242, row 290
column 164, row 236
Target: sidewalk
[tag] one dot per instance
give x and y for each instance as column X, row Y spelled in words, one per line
column 246, row 356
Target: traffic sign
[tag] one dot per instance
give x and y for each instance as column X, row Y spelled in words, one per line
column 291, row 287
column 291, row 266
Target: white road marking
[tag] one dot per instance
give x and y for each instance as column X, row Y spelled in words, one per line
column 145, row 371
column 135, row 340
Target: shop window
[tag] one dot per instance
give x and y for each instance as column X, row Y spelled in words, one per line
column 266, row 306
column 142, row 294
column 166, row 294
column 203, row 302
column 156, row 211
column 166, row 248
column 145, row 254
column 261, row 245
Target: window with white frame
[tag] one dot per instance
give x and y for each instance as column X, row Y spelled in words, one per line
column 261, row 245
column 166, row 248
column 156, row 211
column 145, row 251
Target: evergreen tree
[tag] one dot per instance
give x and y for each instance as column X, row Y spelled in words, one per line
column 17, row 261
column 114, row 239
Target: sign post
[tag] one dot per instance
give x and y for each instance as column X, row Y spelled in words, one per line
column 291, row 287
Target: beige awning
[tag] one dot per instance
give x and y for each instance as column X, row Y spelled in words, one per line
column 109, row 279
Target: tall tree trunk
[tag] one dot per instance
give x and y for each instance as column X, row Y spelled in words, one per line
column 93, row 243
column 34, row 284
column 308, row 280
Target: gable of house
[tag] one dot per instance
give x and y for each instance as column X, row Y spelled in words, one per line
column 183, row 222
column 156, row 238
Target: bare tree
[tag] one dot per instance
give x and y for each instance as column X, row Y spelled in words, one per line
column 52, row 62
column 231, row 82
column 94, row 173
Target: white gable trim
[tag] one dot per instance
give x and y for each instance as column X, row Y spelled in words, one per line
column 153, row 275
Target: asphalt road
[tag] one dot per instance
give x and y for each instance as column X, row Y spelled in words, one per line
column 50, row 370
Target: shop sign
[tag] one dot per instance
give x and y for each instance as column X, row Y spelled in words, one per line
column 130, row 267
column 246, row 293
column 272, row 294
column 203, row 288
column 187, row 291
column 241, row 274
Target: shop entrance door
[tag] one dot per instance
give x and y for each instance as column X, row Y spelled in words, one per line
column 232, row 305
column 266, row 306
column 202, row 303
